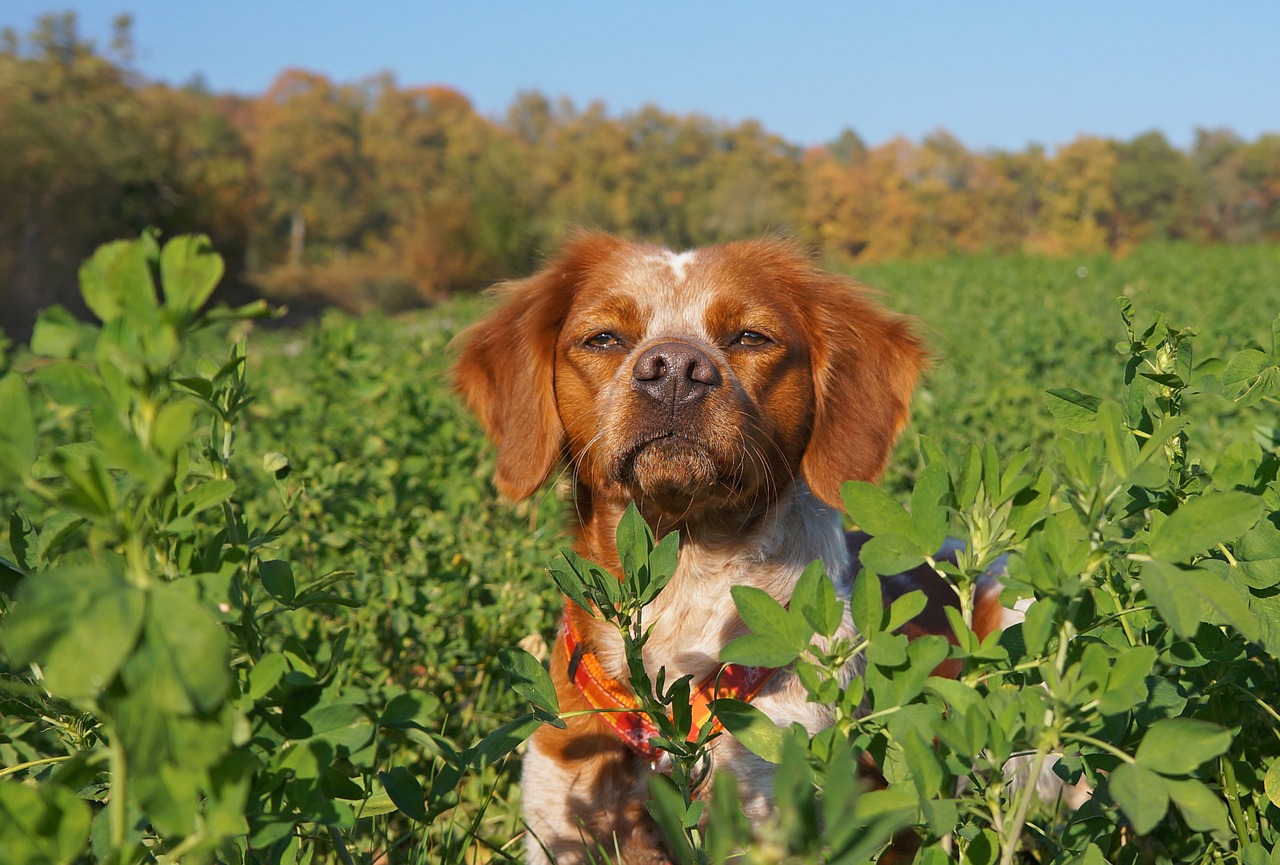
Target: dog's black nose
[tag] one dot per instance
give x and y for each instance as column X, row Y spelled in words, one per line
column 675, row 373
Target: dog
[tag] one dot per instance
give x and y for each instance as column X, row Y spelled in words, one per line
column 728, row 392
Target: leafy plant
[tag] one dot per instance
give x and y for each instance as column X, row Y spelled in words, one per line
column 174, row 697
column 312, row 507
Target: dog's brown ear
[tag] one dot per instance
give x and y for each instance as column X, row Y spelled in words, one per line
column 505, row 371
column 865, row 364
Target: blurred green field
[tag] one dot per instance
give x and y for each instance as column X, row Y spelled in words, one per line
column 393, row 513
column 1005, row 329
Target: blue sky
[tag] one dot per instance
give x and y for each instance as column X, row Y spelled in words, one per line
column 996, row 74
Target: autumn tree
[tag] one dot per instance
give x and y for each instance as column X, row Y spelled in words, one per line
column 942, row 172
column 308, row 159
column 1261, row 170
column 1079, row 203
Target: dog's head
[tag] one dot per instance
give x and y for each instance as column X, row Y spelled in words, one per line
column 705, row 381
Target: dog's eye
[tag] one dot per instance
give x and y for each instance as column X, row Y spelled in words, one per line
column 752, row 339
column 604, row 340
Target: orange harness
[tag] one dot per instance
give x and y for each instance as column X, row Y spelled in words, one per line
column 634, row 727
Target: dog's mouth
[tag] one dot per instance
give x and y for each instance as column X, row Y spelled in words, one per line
column 669, row 466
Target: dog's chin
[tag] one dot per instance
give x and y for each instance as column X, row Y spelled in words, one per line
column 673, row 472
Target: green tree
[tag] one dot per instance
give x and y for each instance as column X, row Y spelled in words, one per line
column 1155, row 191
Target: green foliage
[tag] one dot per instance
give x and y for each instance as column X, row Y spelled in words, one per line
column 175, row 669
column 257, row 603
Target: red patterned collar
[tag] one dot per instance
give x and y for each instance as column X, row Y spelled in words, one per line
column 632, row 725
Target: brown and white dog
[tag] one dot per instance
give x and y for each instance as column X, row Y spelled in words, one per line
column 728, row 391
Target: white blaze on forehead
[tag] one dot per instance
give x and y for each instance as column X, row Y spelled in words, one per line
column 679, row 261
column 676, row 307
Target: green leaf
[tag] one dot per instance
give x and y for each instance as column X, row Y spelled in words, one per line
column 872, row 509
column 1038, row 625
column 971, row 480
column 339, row 724
column 667, row 807
column 567, row 574
column 1203, row 811
column 1271, row 783
column 58, row 334
column 501, row 741
column 174, row 426
column 1091, row 856
column 529, row 679
column 1254, row 853
column 752, row 727
column 205, row 496
column 70, row 384
column 1172, row 591
column 1177, row 746
column 276, row 464
column 1185, row 597
column 410, row 709
column 1244, row 367
column 1227, row 601
column 922, row 762
column 663, row 559
column 266, row 673
column 815, row 597
column 634, row 541
column 906, row 608
column 48, row 823
column 1126, row 685
column 866, row 603
column 277, row 579
column 405, row 791
column 759, row 650
column 891, row 554
column 117, row 279
column 766, row 617
column 189, row 270
column 984, row 849
column 80, row 624
column 1141, row 794
column 18, row 432
column 23, row 541
column 1120, row 448
column 189, row 650
column 91, row 489
column 1258, row 555
column 929, row 514
column 1203, row 523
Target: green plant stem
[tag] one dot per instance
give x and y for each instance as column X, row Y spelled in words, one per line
column 1120, row 616
column 21, row 767
column 117, row 810
column 188, row 844
column 1275, row 716
column 1232, row 793
column 1098, row 743
column 335, row 837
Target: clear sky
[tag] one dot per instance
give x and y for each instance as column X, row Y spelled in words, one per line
column 995, row 73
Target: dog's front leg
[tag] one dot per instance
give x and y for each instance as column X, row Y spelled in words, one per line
column 583, row 796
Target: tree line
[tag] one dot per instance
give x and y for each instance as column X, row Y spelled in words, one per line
column 375, row 194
